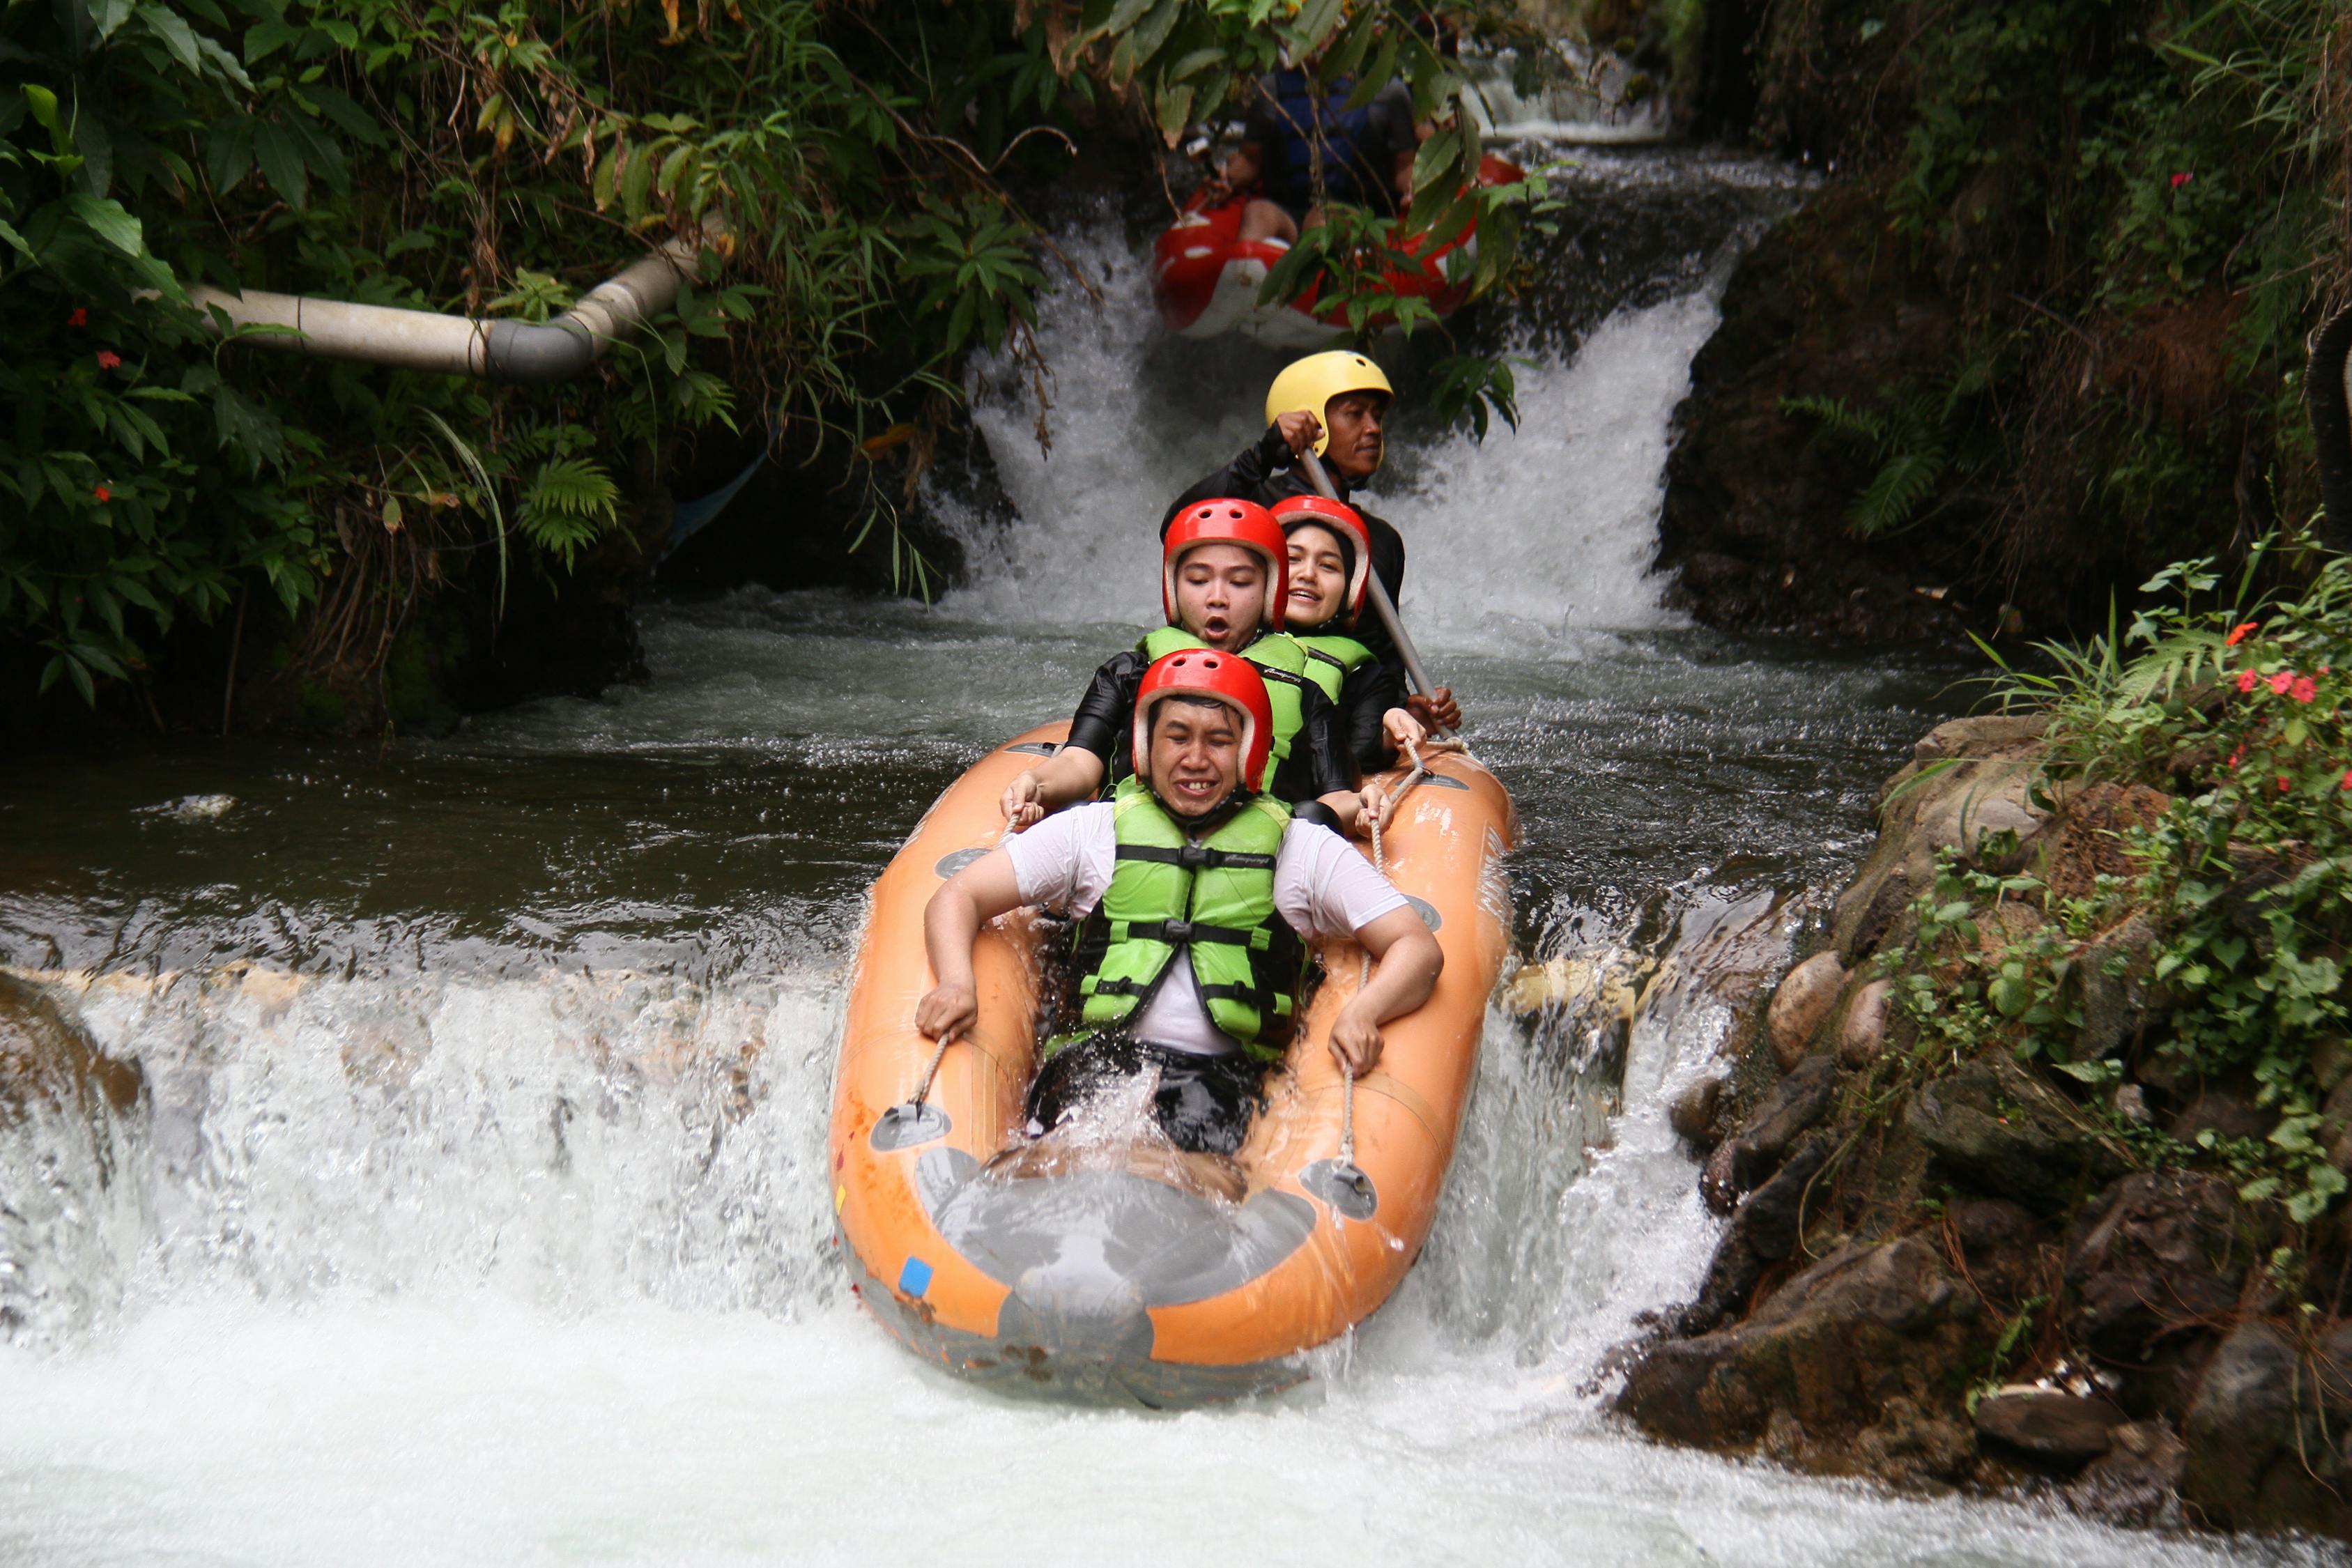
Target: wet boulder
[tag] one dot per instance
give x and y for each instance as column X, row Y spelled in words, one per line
column 1764, row 1229
column 1975, row 784
column 1847, row 1367
column 2137, row 1479
column 1802, row 1000
column 2265, row 1438
column 1992, row 1127
column 1862, row 1034
column 2151, row 1268
column 2065, row 1431
column 1796, row 1103
column 47, row 1063
column 2120, row 996
column 1692, row 1114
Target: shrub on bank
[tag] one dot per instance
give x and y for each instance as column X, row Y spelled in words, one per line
column 2230, row 914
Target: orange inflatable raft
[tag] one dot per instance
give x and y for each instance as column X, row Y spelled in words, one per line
column 1124, row 1279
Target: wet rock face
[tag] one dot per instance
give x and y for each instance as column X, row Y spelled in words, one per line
column 1755, row 508
column 2158, row 1259
column 1795, row 1104
column 1888, row 1227
column 1842, row 1368
column 2137, row 1479
column 1995, row 1130
column 1985, row 789
column 47, row 1061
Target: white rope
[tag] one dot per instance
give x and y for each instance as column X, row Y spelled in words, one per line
column 923, row 1090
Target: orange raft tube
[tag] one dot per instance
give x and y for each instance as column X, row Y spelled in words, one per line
column 1122, row 1278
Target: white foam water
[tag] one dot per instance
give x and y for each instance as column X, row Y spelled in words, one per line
column 1513, row 543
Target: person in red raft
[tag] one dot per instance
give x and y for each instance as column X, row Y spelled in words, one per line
column 1337, row 405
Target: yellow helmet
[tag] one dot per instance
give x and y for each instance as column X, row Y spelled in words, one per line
column 1313, row 382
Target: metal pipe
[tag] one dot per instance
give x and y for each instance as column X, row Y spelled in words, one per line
column 1380, row 605
column 496, row 349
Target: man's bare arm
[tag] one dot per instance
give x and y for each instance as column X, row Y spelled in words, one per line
column 1406, row 962
column 951, row 921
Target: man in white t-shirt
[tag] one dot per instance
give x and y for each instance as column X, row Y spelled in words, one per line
column 1197, row 898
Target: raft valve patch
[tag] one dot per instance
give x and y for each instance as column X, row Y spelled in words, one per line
column 914, row 1278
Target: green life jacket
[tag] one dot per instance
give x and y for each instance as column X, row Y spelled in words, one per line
column 1279, row 660
column 1331, row 659
column 1212, row 898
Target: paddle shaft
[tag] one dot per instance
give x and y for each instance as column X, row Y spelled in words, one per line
column 1387, row 610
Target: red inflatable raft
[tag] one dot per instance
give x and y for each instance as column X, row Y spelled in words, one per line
column 1205, row 278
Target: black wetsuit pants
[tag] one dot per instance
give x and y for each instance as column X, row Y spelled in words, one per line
column 1203, row 1103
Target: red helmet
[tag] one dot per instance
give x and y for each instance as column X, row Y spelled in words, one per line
column 1204, row 672
column 1242, row 523
column 1343, row 520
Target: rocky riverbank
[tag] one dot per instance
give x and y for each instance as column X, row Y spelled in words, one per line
column 1954, row 1269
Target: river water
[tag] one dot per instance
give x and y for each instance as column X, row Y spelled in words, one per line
column 476, row 1211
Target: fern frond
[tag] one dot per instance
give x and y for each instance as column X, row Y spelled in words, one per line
column 1903, row 481
column 571, row 501
column 1837, row 418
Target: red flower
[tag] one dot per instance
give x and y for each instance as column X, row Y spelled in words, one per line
column 2304, row 689
column 108, row 359
column 2281, row 681
column 102, row 493
column 2238, row 755
column 2182, row 178
column 80, row 318
column 2248, row 680
column 2347, row 778
column 2238, row 633
column 2283, row 783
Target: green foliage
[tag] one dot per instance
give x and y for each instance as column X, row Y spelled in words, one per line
column 2241, row 709
column 1911, row 441
column 2134, row 209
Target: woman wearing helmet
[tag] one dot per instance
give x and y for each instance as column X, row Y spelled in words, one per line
column 1336, row 403
column 1222, row 587
column 1328, row 577
column 1196, row 897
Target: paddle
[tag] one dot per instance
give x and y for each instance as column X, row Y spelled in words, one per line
column 1397, row 634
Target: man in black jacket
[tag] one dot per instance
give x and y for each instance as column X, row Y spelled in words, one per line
column 1336, row 403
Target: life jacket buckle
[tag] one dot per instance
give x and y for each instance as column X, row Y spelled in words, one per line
column 1192, row 856
column 1175, row 931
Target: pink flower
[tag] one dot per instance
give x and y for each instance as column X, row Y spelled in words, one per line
column 2238, row 633
column 80, row 318
column 2281, row 681
column 102, row 493
column 108, row 359
column 2248, row 680
column 2182, row 178
column 2304, row 689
